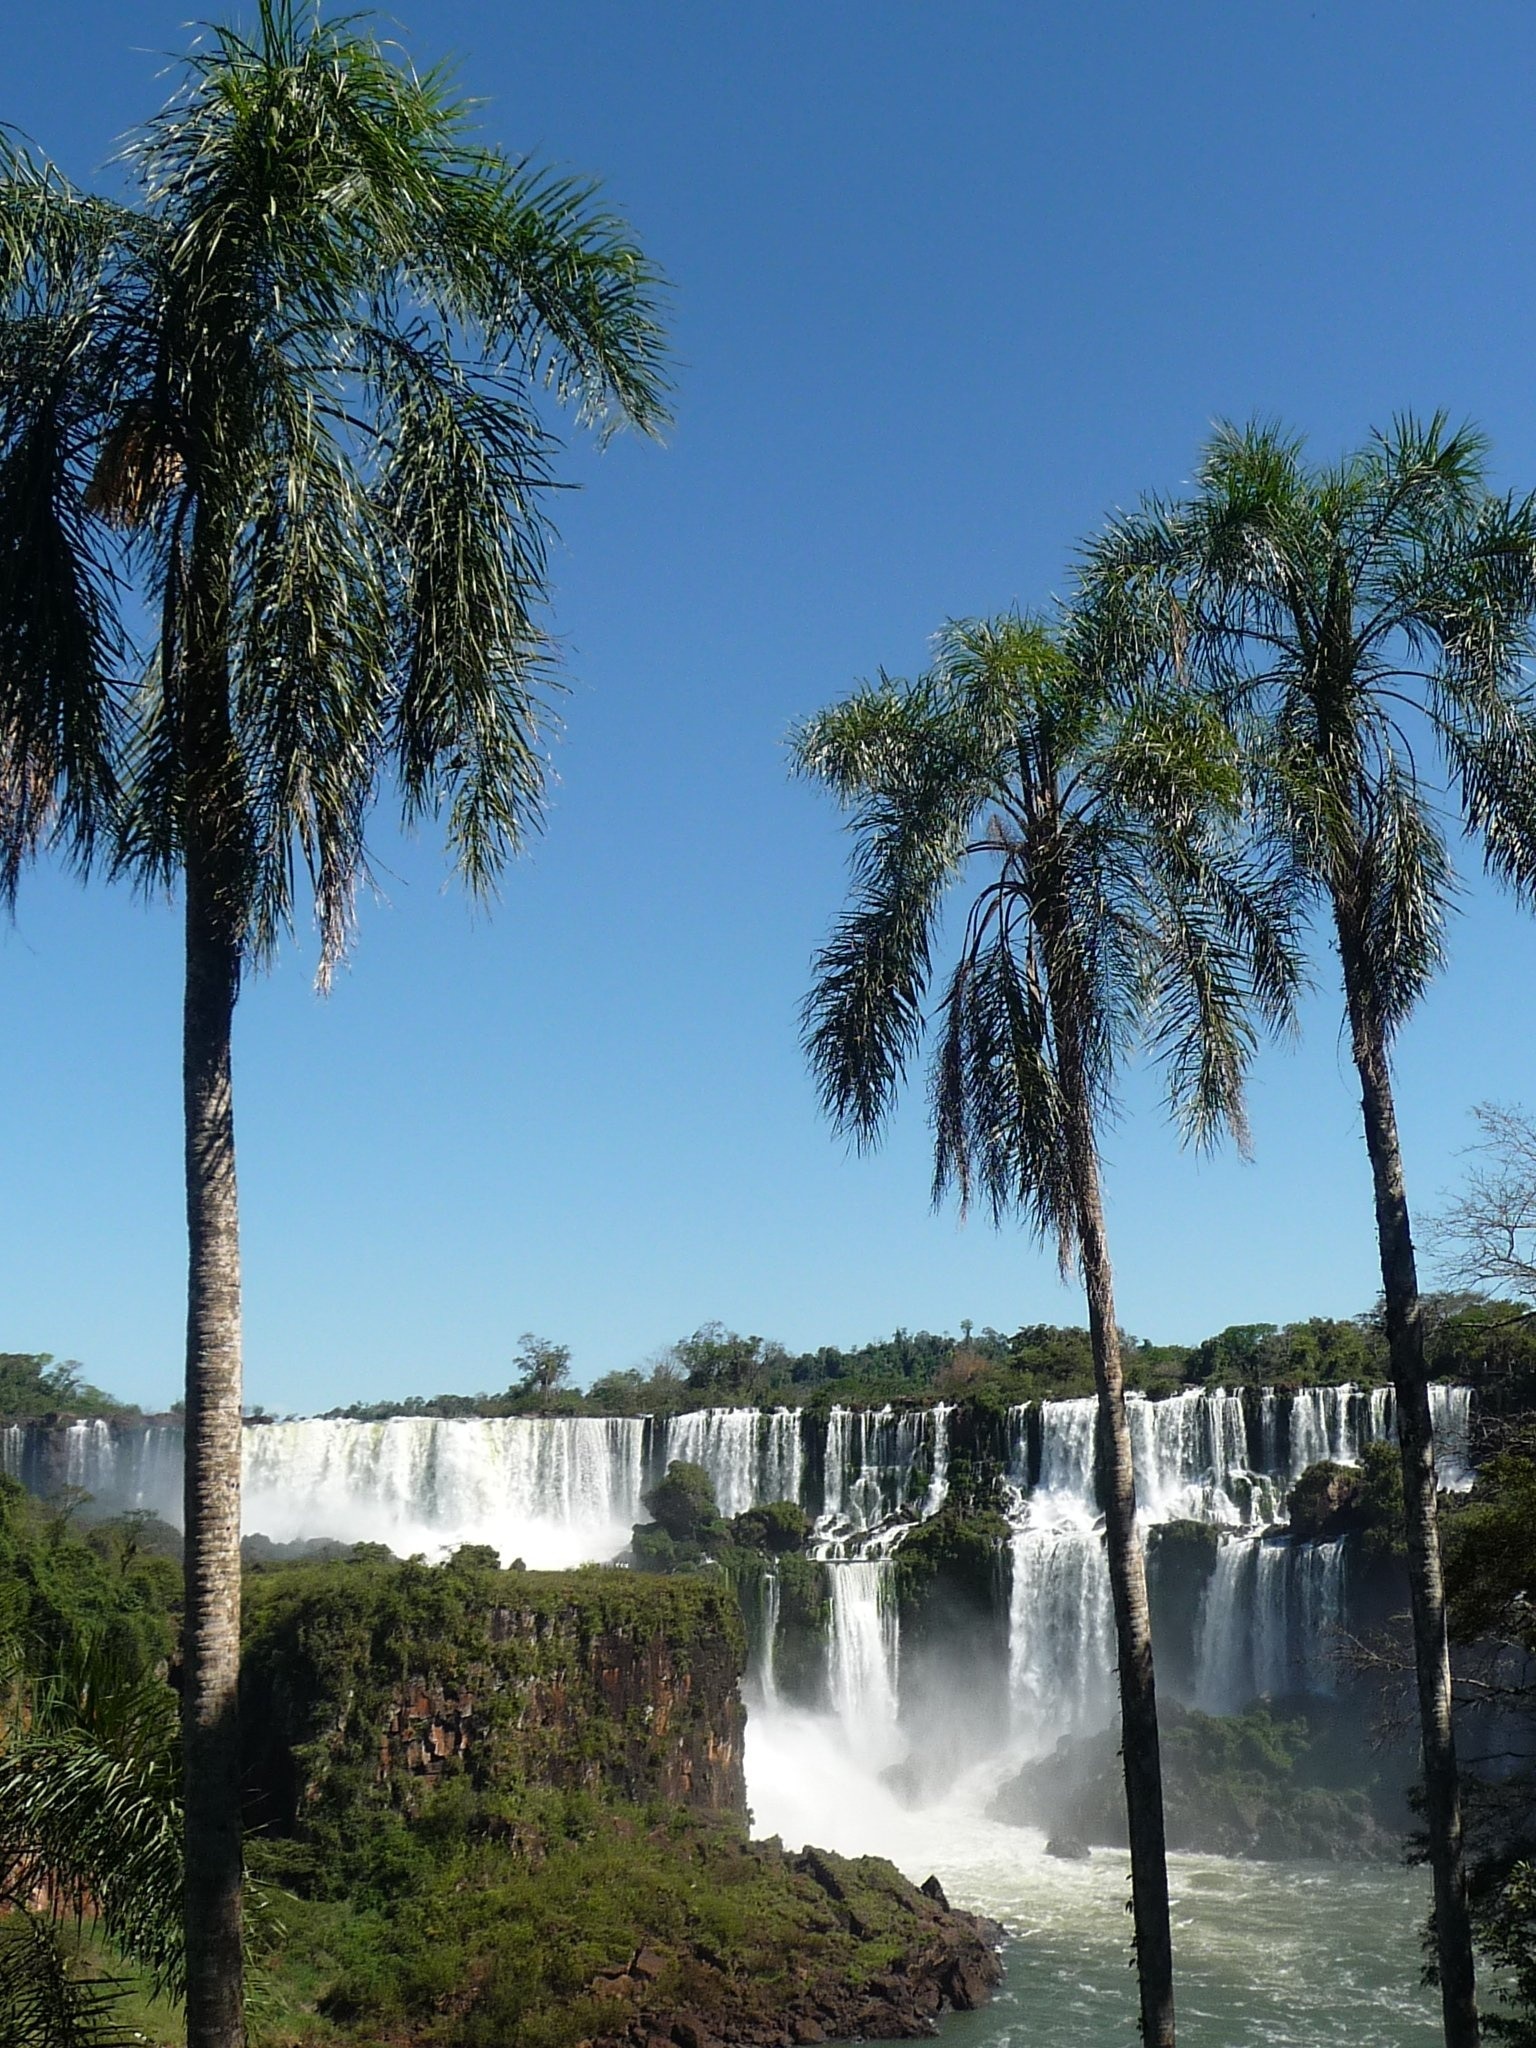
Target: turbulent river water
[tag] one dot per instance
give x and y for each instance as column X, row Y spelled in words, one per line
column 1268, row 1955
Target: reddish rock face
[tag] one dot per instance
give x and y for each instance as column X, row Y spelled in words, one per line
column 600, row 1681
column 667, row 1718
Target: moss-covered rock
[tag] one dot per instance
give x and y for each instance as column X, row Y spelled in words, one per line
column 368, row 1684
column 805, row 1618
column 776, row 1527
column 623, row 1928
column 507, row 1806
column 1181, row 1556
column 683, row 1503
column 1324, row 1502
column 1291, row 1782
column 965, row 1549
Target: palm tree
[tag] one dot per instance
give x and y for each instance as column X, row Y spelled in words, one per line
column 62, row 654
column 89, row 1828
column 1105, row 912
column 297, row 384
column 1366, row 619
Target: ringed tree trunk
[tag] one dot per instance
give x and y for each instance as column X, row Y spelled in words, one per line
column 213, row 1911
column 1141, row 1754
column 1410, row 1382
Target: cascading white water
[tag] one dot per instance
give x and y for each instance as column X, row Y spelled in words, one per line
column 751, row 1456
column 1319, row 1569
column 1060, row 1653
column 1271, row 1619
column 938, row 1483
column 874, row 1458
column 864, row 1658
column 1186, row 1451
column 125, row 1469
column 1066, row 1448
column 555, row 1492
column 560, row 1491
column 1450, row 1412
column 1060, row 1633
column 762, row 1668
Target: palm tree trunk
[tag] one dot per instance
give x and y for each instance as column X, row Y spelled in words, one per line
column 1410, row 1381
column 210, row 1739
column 213, row 873
column 1140, row 1751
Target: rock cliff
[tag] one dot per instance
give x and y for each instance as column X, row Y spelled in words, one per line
column 596, row 1681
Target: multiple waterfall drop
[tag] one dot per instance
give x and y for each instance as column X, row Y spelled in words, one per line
column 563, row 1491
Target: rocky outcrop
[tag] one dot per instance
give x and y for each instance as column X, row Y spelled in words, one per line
column 885, row 1959
column 1325, row 1502
column 1283, row 1782
column 599, row 1681
column 623, row 1710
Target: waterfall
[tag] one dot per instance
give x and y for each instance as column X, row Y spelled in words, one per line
column 751, row 1457
column 1017, row 1439
column 1224, row 1639
column 1060, row 1633
column 873, row 1461
column 554, row 1491
column 562, row 1491
column 1319, row 1571
column 764, row 1672
column 1066, row 1447
column 938, row 1483
column 1270, row 1620
column 1450, row 1412
column 864, row 1655
column 125, row 1469
column 1190, row 1452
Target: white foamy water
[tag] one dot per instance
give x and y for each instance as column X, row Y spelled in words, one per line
column 557, row 1493
column 562, row 1491
column 1266, row 1955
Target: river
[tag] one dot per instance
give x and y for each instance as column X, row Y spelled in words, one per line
column 1268, row 1955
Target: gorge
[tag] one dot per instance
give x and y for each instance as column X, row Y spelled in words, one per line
column 1244, row 1609
column 946, row 1623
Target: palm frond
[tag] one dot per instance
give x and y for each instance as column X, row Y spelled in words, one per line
column 90, row 1812
column 43, row 2004
column 895, row 758
column 1098, row 809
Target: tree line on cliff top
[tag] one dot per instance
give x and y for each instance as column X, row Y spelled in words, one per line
column 285, row 398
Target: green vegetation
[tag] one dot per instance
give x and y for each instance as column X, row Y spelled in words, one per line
column 985, row 1368
column 1365, row 1500
column 1282, row 1780
column 473, row 1790
column 1490, row 1566
column 282, row 401
column 60, row 1588
column 89, row 1819
column 1488, row 1344
column 34, row 1384
column 453, row 1938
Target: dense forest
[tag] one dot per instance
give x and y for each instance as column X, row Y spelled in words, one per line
column 1472, row 1338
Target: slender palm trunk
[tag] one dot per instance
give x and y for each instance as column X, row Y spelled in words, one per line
column 210, row 1732
column 1410, row 1380
column 1140, row 1751
column 212, row 1631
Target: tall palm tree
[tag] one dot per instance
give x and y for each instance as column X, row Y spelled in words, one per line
column 1367, row 620
column 1104, row 912
column 298, row 383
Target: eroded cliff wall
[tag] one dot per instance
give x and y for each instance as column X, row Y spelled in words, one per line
column 374, row 1681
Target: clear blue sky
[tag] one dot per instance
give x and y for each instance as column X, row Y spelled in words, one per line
column 950, row 283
